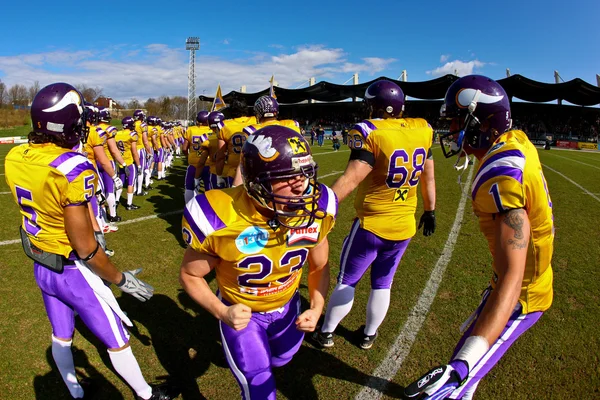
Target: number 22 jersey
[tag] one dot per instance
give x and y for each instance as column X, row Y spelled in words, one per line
column 259, row 266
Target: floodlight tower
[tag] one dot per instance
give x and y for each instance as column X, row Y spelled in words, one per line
column 192, row 44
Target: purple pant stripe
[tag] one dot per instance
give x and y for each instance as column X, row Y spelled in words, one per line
column 189, row 177
column 515, row 327
column 142, row 156
column 205, row 175
column 128, row 181
column 108, row 183
column 364, row 249
column 270, row 340
column 65, row 293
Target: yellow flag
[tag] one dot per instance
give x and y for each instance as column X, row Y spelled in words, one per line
column 218, row 102
column 272, row 88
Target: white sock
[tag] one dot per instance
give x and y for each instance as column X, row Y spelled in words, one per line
column 61, row 352
column 189, row 194
column 112, row 206
column 127, row 366
column 147, row 177
column 129, row 198
column 340, row 304
column 118, row 196
column 470, row 392
column 377, row 308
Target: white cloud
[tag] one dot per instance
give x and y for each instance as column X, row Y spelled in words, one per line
column 444, row 58
column 158, row 69
column 461, row 68
column 226, row 41
column 276, row 46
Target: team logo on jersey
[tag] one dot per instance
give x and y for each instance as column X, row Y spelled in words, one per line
column 252, row 240
column 496, row 147
column 264, row 145
column 304, row 236
column 297, row 146
column 401, row 195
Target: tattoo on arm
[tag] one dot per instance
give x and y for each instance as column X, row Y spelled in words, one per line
column 514, row 219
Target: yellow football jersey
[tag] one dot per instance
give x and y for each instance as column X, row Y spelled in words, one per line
column 124, row 138
column 96, row 137
column 258, row 267
column 44, row 179
column 140, row 128
column 387, row 198
column 232, row 133
column 153, row 132
column 111, row 132
column 510, row 176
column 289, row 123
column 196, row 135
column 212, row 145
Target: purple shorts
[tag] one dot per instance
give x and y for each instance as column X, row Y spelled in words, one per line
column 270, row 340
column 362, row 249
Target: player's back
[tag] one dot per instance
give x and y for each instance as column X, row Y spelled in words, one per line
column 96, row 137
column 387, row 198
column 195, row 136
column 232, row 133
column 289, row 123
column 44, row 179
column 124, row 138
column 111, row 132
column 140, row 128
column 510, row 176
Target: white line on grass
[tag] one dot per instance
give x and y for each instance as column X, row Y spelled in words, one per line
column 579, row 162
column 573, row 182
column 147, row 217
column 4, row 192
column 388, row 368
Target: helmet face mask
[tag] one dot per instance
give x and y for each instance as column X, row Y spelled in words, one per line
column 273, row 159
column 479, row 110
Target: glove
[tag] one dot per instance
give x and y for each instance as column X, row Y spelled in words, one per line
column 126, row 170
column 134, row 286
column 439, row 382
column 100, row 197
column 118, row 182
column 100, row 239
column 427, row 219
column 221, row 182
column 140, row 172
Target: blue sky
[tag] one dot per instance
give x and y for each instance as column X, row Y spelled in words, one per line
column 139, row 51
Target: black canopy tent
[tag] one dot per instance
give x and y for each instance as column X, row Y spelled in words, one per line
column 575, row 91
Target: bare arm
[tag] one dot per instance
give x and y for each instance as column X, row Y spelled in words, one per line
column 101, row 159
column 318, row 285
column 95, row 225
column 146, row 142
column 237, row 179
column 220, row 157
column 112, row 147
column 512, row 233
column 201, row 163
column 354, row 174
column 81, row 236
column 428, row 186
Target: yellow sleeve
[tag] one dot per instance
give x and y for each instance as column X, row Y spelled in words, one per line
column 79, row 184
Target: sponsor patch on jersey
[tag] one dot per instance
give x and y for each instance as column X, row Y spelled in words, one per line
column 252, row 240
column 495, row 147
column 304, row 236
column 401, row 195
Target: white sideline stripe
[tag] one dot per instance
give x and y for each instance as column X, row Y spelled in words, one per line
column 131, row 221
column 574, row 183
column 374, row 388
column 330, row 152
column 579, row 162
column 4, row 192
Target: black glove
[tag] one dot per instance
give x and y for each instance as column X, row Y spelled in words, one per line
column 427, row 219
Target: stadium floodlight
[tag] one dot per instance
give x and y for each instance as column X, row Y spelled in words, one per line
column 192, row 44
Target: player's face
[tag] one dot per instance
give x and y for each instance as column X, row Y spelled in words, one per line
column 290, row 187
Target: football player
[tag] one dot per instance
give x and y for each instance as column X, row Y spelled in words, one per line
column 52, row 186
column 257, row 237
column 144, row 149
column 390, row 155
column 231, row 140
column 196, row 135
column 209, row 152
column 511, row 200
column 154, row 131
column 127, row 140
column 266, row 110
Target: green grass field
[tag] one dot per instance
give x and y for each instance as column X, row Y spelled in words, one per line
column 557, row 359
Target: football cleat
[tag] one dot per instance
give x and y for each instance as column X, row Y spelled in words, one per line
column 367, row 341
column 164, row 391
column 109, row 252
column 323, row 339
column 130, row 207
column 116, row 218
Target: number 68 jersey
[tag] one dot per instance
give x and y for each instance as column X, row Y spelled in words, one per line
column 387, row 198
column 259, row 266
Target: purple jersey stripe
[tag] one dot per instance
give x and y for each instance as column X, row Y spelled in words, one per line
column 62, row 158
column 324, row 198
column 362, row 130
column 210, row 214
column 190, row 220
column 496, row 157
column 512, row 172
column 78, row 170
column 249, row 130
